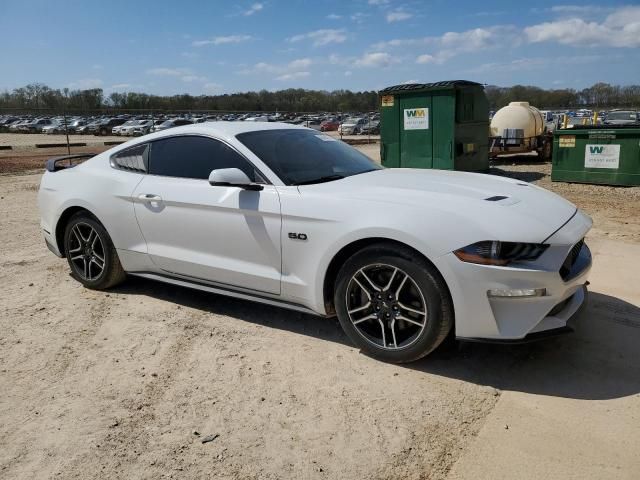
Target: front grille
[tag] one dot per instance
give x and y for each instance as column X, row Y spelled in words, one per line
column 569, row 262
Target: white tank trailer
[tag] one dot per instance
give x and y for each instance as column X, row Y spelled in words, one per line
column 520, row 128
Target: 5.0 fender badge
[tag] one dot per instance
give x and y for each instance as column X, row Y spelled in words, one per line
column 297, row 236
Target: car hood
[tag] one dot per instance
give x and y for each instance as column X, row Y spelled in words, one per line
column 509, row 209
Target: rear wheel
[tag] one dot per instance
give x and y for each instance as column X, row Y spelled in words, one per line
column 90, row 252
column 392, row 303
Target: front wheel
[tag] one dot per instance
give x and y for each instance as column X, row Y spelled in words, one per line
column 90, row 252
column 392, row 303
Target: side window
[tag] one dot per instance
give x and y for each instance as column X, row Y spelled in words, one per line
column 195, row 157
column 134, row 159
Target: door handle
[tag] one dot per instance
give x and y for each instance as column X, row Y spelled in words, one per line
column 149, row 197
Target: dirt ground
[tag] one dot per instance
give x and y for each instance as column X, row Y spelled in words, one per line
column 33, row 160
column 26, row 140
column 128, row 383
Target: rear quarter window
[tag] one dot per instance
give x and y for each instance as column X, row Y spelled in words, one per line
column 134, row 159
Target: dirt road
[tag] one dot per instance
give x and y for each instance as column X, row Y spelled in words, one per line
column 127, row 383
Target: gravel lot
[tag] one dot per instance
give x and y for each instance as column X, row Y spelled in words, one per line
column 27, row 140
column 127, row 383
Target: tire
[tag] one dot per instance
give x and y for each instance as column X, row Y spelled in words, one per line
column 103, row 132
column 92, row 258
column 407, row 335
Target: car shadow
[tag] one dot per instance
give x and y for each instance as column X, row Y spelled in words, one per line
column 260, row 314
column 518, row 175
column 518, row 159
column 601, row 360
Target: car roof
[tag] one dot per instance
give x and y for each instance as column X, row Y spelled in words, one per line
column 221, row 130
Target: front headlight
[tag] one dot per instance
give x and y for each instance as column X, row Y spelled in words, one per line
column 498, row 253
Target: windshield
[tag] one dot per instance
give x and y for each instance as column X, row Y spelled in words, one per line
column 305, row 156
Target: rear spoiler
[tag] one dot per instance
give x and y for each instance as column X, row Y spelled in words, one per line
column 58, row 163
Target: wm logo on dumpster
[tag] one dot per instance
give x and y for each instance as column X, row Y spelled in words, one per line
column 416, row 118
column 602, row 156
column 418, row 113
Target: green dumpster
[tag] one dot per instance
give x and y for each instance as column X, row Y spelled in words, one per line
column 443, row 125
column 587, row 154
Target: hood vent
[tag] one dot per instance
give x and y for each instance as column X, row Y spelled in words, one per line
column 496, row 198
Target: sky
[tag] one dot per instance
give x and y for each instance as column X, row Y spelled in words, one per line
column 213, row 47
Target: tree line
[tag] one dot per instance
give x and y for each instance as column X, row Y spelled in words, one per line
column 598, row 96
column 37, row 96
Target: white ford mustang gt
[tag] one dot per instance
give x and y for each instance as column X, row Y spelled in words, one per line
column 287, row 216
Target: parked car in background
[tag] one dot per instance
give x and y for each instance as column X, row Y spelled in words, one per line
column 174, row 122
column 37, row 125
column 117, row 130
column 53, row 129
column 126, row 129
column 87, row 127
column 104, row 127
column 370, row 128
column 74, row 125
column 145, row 127
column 15, row 127
column 313, row 123
column 352, row 126
column 621, row 117
column 5, row 123
column 330, row 125
column 258, row 118
column 583, row 112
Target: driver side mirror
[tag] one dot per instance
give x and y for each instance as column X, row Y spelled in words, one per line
column 232, row 177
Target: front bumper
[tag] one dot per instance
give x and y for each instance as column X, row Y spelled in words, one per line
column 574, row 305
column 479, row 316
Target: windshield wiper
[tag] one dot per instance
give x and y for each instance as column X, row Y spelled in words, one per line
column 328, row 178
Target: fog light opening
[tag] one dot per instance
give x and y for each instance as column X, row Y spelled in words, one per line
column 517, row 292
